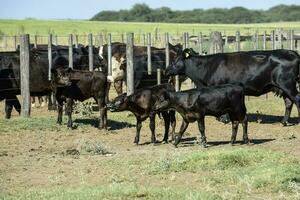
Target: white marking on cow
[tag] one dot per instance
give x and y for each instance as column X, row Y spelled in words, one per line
column 101, row 52
column 117, row 73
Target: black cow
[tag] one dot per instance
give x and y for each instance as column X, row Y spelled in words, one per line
column 195, row 104
column 140, row 104
column 38, row 72
column 259, row 71
column 69, row 85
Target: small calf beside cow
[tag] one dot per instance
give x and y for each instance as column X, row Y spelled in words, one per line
column 69, row 85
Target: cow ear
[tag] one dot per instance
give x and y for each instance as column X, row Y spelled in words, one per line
column 187, row 53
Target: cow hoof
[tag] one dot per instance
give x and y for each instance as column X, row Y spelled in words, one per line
column 154, row 141
column 165, row 142
column 246, row 141
column 7, row 116
column 284, row 123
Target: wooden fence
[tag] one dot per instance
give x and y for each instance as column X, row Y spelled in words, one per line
column 201, row 44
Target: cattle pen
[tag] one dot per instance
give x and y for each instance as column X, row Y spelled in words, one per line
column 42, row 160
column 204, row 43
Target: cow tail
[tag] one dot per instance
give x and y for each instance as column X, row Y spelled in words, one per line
column 298, row 76
column 107, row 91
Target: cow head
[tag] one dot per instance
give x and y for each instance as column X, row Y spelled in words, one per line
column 120, row 103
column 178, row 66
column 61, row 76
column 84, row 56
column 162, row 102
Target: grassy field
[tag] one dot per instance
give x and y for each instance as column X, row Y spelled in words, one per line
column 41, row 160
column 43, row 27
column 61, row 29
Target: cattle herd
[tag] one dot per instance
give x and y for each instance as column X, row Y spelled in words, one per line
column 222, row 80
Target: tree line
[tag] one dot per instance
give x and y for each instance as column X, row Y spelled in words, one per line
column 240, row 15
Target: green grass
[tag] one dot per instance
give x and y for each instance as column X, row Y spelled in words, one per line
column 32, row 123
column 244, row 169
column 64, row 27
column 60, row 27
column 114, row 191
column 241, row 173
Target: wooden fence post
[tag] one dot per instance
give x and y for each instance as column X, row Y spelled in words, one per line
column 129, row 63
column 49, row 56
column 91, row 53
column 24, row 75
column 100, row 40
column 149, row 67
column 255, row 40
column 273, row 39
column 70, row 51
column 200, row 43
column 265, row 48
column 144, row 39
column 122, row 37
column 216, row 42
column 35, row 41
column 15, row 42
column 167, row 49
column 109, row 56
column 75, row 36
column 292, row 40
column 237, row 41
column 264, row 41
column 54, row 40
column 279, row 36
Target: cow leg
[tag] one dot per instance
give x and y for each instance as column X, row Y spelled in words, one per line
column 16, row 104
column 245, row 130
column 152, row 128
column 69, row 109
column 8, row 108
column 59, row 111
column 103, row 113
column 183, row 127
column 41, row 101
column 201, row 127
column 118, row 86
column 290, row 90
column 166, row 118
column 51, row 102
column 173, row 123
column 105, row 118
column 235, row 125
column 32, row 101
column 10, row 102
column 288, row 108
column 138, row 130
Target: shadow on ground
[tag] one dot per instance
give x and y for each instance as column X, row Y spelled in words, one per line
column 112, row 124
column 268, row 119
column 190, row 141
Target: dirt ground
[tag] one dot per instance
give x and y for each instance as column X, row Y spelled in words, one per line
column 41, row 158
